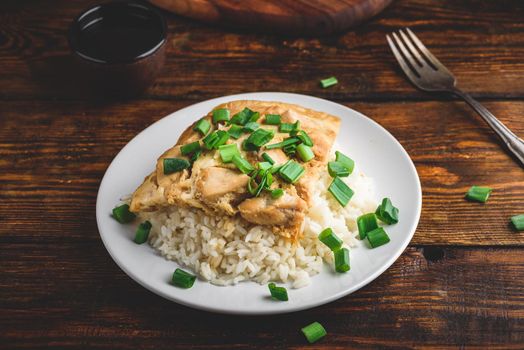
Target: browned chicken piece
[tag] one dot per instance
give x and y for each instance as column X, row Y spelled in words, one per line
column 220, row 189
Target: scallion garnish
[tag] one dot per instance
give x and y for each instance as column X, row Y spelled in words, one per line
column 314, row 332
column 173, row 165
column 228, row 151
column 386, row 212
column 329, row 238
column 291, row 171
column 220, row 115
column 215, row 139
column 142, row 232
column 304, row 137
column 286, row 142
column 518, row 222
column 478, row 194
column 190, row 148
column 345, row 160
column 195, row 156
column 377, row 237
column 337, row 169
column 242, row 117
column 235, row 131
column 276, row 168
column 267, row 158
column 340, row 191
column 273, row 119
column 341, row 260
column 250, row 127
column 254, row 117
column 263, row 182
column 264, row 165
column 242, row 164
column 202, row 126
column 288, row 127
column 305, row 152
column 328, row 82
column 183, row 279
column 290, row 150
column 365, row 223
column 122, row 214
column 257, row 139
column 278, row 293
column 277, row 193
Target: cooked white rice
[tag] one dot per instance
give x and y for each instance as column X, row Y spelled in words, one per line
column 226, row 251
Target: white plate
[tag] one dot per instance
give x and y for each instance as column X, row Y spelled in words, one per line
column 377, row 153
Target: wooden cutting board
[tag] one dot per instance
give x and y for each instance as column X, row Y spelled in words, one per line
column 309, row 17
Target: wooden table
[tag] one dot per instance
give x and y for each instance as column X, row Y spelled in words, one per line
column 460, row 284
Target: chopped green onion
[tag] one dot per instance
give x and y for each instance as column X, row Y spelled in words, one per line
column 345, row 160
column 142, row 232
column 276, row 168
column 122, row 214
column 267, row 158
column 304, row 137
column 340, row 191
column 278, row 293
column 314, row 332
column 223, row 136
column 195, row 156
column 263, row 183
column 174, row 165
column 273, row 119
column 220, row 115
column 288, row 127
column 183, row 279
column 228, row 151
column 367, row 222
column 242, row 117
column 341, row 260
column 328, row 82
column 254, row 117
column 242, row 164
column 305, row 152
column 386, row 212
column 190, row 148
column 235, row 131
column 264, row 165
column 210, row 139
column 478, row 194
column 286, row 142
column 377, row 237
column 277, row 193
column 269, row 177
column 290, row 150
column 329, row 238
column 250, row 127
column 518, row 222
column 257, row 139
column 202, row 126
column 337, row 169
column 291, row 171
column 216, row 139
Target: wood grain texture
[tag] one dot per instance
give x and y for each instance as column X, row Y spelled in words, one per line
column 286, row 17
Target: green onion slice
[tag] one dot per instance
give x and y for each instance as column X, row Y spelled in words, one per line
column 264, row 165
column 257, row 139
column 254, row 117
column 286, row 142
column 173, row 165
column 273, row 119
column 337, row 169
column 377, row 237
column 341, row 260
column 291, row 171
column 195, row 156
column 220, row 115
column 304, row 137
column 242, row 164
column 340, row 191
column 142, row 232
column 314, row 332
column 478, row 194
column 122, row 214
column 235, row 131
column 277, row 193
column 289, row 127
column 183, row 279
column 228, row 151
column 202, row 126
column 386, row 212
column 267, row 158
column 305, row 152
column 328, row 82
column 365, row 223
column 345, row 160
column 242, row 117
column 290, row 150
column 263, row 183
column 329, row 238
column 518, row 222
column 250, row 127
column 190, row 148
column 278, row 293
column 216, row 139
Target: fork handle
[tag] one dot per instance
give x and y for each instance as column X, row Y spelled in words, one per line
column 512, row 141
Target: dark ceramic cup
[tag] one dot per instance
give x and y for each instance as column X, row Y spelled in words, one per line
column 119, row 47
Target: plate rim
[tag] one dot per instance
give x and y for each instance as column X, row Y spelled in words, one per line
column 289, row 309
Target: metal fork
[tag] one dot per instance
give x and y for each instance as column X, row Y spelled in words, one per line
column 429, row 74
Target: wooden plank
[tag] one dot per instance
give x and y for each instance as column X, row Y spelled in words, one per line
column 54, row 154
column 481, row 42
column 70, row 295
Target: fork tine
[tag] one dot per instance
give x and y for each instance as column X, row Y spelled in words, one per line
column 429, row 56
column 415, row 67
column 412, row 48
column 405, row 67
